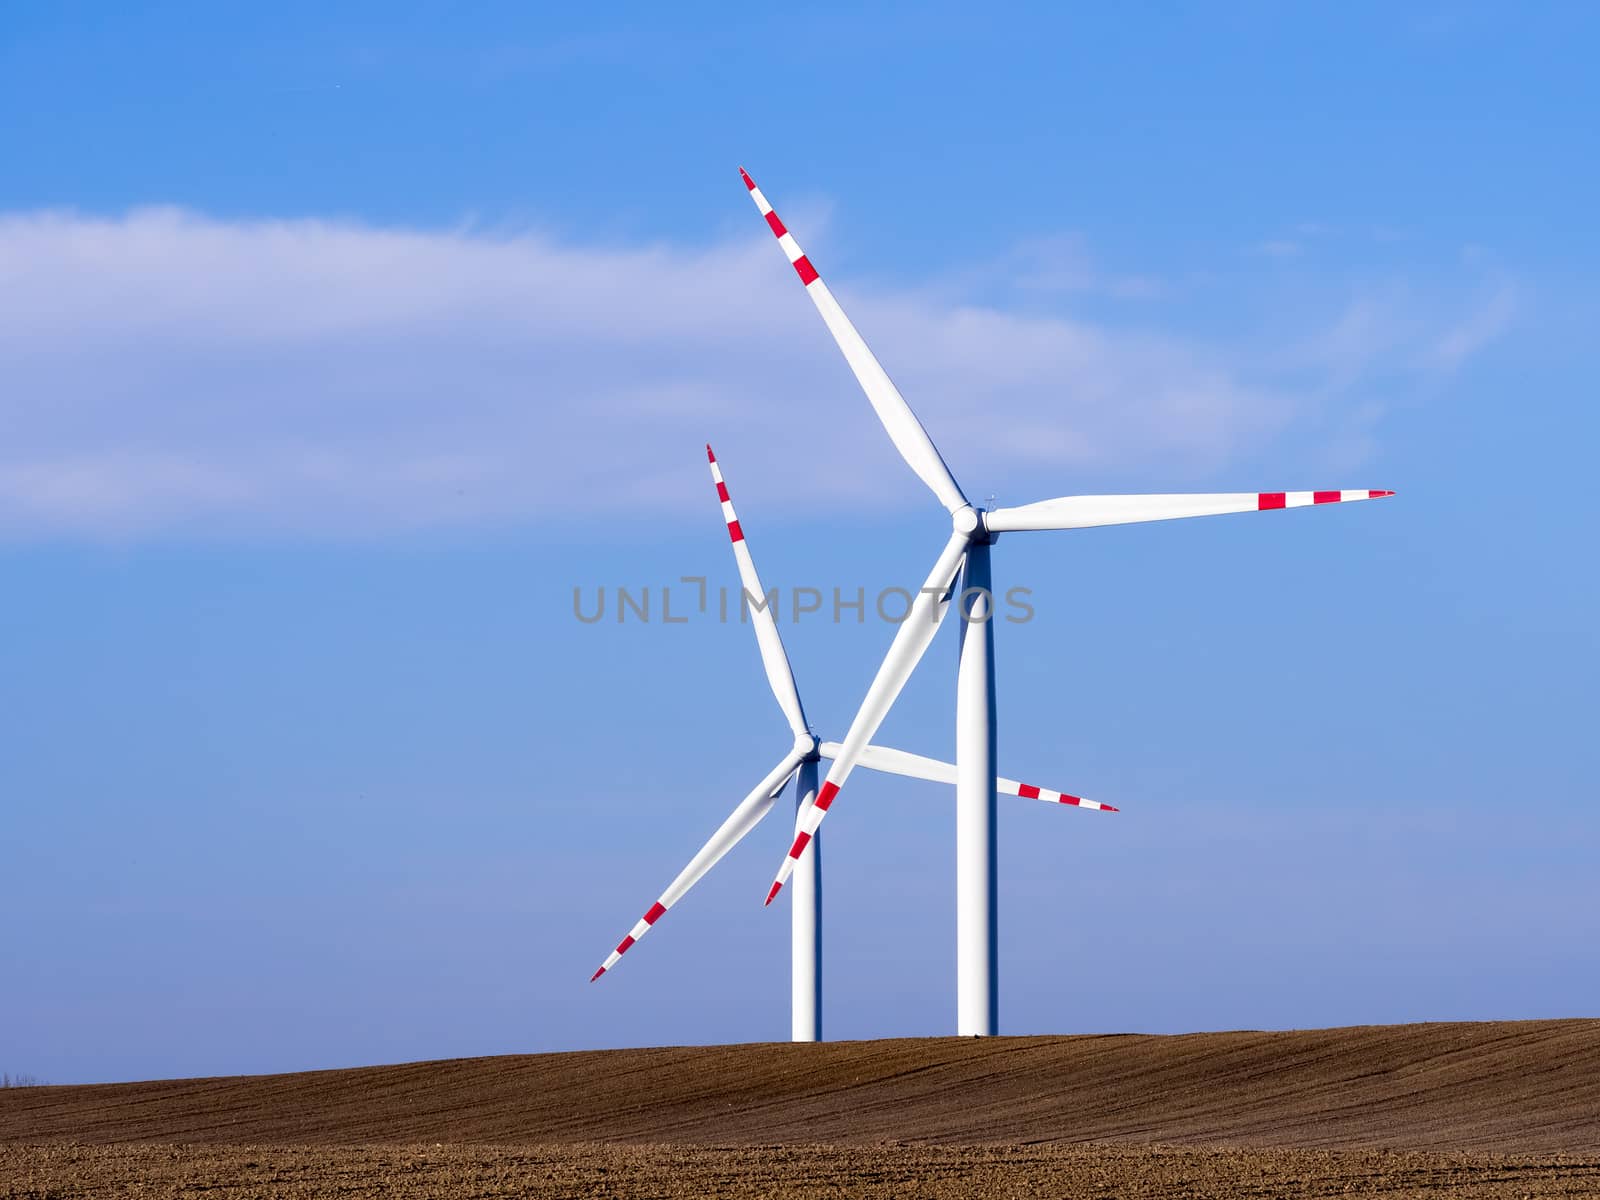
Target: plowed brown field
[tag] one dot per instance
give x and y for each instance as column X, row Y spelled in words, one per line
column 1493, row 1109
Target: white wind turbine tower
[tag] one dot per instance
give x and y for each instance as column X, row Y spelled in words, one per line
column 801, row 761
column 974, row 531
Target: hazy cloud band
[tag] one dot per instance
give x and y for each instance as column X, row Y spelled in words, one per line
column 163, row 370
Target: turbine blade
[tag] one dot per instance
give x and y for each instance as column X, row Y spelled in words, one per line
column 1010, row 787
column 741, row 821
column 780, row 675
column 1083, row 512
column 907, row 433
column 911, row 640
column 802, row 811
column 934, row 770
column 903, row 762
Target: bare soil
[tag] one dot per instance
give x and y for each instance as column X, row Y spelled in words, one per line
column 802, row 1172
column 1489, row 1109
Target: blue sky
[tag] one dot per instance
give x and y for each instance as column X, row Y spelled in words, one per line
column 337, row 350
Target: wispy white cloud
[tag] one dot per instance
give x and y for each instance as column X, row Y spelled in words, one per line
column 1063, row 263
column 165, row 370
column 1390, row 326
column 1278, row 248
column 1475, row 329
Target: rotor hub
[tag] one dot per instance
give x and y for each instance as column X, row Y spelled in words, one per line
column 970, row 521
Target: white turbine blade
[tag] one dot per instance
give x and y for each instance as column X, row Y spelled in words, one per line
column 1083, row 512
column 910, row 641
column 897, row 762
column 907, row 433
column 779, row 673
column 728, row 835
column 801, row 812
column 934, row 770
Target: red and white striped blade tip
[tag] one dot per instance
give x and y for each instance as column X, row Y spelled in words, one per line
column 1272, row 500
column 1080, row 802
column 1030, row 791
column 710, row 457
column 773, row 894
column 640, row 928
column 748, row 182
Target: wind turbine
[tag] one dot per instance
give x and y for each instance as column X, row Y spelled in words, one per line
column 801, row 761
column 967, row 552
